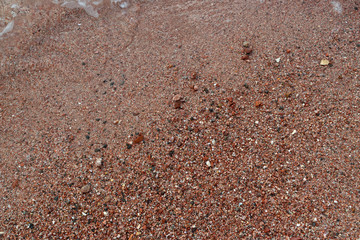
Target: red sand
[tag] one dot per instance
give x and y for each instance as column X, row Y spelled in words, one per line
column 93, row 145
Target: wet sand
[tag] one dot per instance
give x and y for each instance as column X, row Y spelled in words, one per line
column 182, row 120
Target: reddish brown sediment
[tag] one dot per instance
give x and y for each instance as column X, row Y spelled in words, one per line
column 266, row 148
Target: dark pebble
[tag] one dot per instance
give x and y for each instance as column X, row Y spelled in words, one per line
column 171, row 153
column 56, row 198
column 112, row 84
column 97, row 149
column 105, row 145
column 128, row 146
column 87, row 137
column 31, row 226
column 97, row 119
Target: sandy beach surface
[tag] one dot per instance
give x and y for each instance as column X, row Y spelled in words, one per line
column 182, row 120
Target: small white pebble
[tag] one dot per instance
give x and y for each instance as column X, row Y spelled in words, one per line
column 213, row 141
column 256, row 122
column 293, row 132
column 208, row 163
column 278, row 60
column 98, row 162
column 335, row 201
column 298, row 224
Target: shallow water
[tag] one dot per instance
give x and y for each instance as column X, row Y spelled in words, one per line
column 22, row 13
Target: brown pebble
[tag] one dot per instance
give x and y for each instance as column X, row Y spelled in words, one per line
column 177, row 104
column 193, row 75
column 245, row 57
column 177, row 98
column 247, row 51
column 288, row 94
column 139, row 138
column 107, row 199
column 196, row 88
column 86, row 188
column 258, row 104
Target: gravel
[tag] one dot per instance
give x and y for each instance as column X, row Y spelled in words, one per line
column 286, row 132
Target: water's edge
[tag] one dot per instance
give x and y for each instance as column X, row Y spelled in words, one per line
column 11, row 10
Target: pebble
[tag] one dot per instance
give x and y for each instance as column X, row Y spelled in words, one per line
column 98, row 162
column 258, row 104
column 177, row 105
column 245, row 57
column 86, row 188
column 193, row 75
column 247, row 51
column 107, row 199
column 139, row 138
column 246, row 44
column 324, row 62
column 177, row 98
column 208, row 163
